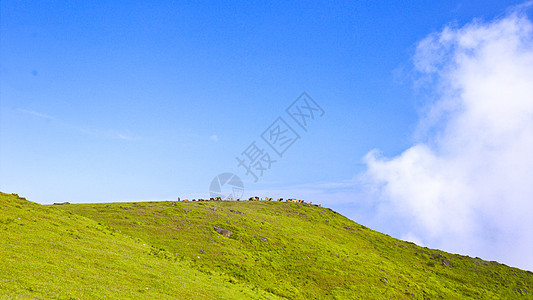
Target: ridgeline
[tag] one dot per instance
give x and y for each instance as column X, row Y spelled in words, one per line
column 227, row 250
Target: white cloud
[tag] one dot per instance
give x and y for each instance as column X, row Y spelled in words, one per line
column 37, row 114
column 410, row 237
column 467, row 185
column 126, row 137
column 89, row 131
column 109, row 134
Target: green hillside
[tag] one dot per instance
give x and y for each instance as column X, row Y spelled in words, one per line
column 301, row 251
column 50, row 253
column 175, row 250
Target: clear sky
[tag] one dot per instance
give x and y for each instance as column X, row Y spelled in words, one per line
column 105, row 101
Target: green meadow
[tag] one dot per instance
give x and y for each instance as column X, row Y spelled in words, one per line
column 174, row 250
column 49, row 253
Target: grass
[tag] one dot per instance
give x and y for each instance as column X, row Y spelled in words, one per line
column 285, row 250
column 302, row 252
column 46, row 253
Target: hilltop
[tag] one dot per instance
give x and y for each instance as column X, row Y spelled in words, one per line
column 50, row 253
column 245, row 249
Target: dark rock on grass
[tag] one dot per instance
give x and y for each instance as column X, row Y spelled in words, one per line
column 348, row 228
column 223, row 232
column 263, row 239
column 237, row 212
column 201, row 251
column 446, row 262
column 384, row 280
column 443, row 260
column 186, row 210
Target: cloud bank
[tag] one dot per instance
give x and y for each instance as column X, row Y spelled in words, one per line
column 467, row 185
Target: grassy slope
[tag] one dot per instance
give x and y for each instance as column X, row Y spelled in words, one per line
column 306, row 252
column 48, row 253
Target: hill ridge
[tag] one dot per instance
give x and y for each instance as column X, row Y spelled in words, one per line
column 276, row 250
column 301, row 251
column 48, row 253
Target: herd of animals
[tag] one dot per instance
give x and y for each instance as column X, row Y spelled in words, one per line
column 239, row 199
column 250, row 199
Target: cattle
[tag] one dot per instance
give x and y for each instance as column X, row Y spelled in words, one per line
column 254, row 198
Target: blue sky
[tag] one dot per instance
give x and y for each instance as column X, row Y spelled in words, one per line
column 110, row 101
